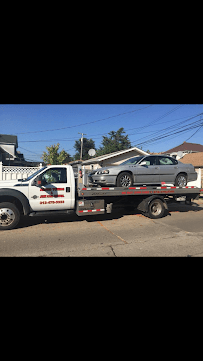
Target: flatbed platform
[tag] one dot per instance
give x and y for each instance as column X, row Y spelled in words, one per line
column 121, row 191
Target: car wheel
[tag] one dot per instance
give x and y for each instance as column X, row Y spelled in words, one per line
column 124, row 179
column 9, row 215
column 181, row 180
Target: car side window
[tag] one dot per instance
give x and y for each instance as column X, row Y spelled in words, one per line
column 150, row 160
column 166, row 161
column 54, row 175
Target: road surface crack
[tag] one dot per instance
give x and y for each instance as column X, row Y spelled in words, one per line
column 113, row 251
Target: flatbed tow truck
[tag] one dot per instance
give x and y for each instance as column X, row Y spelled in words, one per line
column 55, row 190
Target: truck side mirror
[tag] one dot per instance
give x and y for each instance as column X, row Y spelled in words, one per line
column 37, row 182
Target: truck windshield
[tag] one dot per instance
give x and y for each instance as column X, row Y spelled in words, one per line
column 33, row 175
column 134, row 160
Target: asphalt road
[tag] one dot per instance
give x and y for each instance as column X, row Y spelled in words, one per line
column 180, row 233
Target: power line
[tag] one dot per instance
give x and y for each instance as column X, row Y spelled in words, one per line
column 194, row 133
column 68, row 139
column 156, row 135
column 29, row 151
column 147, row 125
column 167, row 135
column 79, row 125
column 159, row 118
column 174, row 127
column 196, row 130
column 171, row 127
column 195, row 125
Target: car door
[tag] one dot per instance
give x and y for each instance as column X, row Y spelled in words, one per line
column 168, row 169
column 56, row 192
column 149, row 173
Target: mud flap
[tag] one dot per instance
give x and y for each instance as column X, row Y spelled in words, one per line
column 144, row 204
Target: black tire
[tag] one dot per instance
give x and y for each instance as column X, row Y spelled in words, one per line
column 181, row 180
column 9, row 216
column 124, row 179
column 156, row 209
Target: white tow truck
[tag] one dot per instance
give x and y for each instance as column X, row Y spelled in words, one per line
column 56, row 190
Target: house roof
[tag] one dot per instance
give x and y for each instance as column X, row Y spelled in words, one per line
column 9, row 139
column 186, row 147
column 114, row 154
column 196, row 159
column 8, row 148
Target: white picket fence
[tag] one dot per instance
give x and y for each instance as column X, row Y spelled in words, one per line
column 14, row 173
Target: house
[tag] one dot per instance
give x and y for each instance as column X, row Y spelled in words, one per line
column 196, row 159
column 110, row 159
column 9, row 154
column 8, row 145
column 184, row 148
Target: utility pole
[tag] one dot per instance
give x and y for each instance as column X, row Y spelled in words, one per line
column 81, row 145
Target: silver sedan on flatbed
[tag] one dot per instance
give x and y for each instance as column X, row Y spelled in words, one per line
column 145, row 170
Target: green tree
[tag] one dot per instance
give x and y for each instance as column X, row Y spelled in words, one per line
column 114, row 142
column 87, row 145
column 53, row 156
column 147, row 151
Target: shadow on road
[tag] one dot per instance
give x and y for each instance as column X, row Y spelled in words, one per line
column 117, row 214
column 194, row 207
column 31, row 221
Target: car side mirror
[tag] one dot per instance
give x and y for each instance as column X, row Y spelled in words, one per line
column 143, row 163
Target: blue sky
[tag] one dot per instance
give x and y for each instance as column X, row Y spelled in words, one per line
column 39, row 125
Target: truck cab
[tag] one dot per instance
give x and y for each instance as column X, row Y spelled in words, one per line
column 51, row 188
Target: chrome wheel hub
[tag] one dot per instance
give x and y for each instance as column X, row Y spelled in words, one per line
column 7, row 216
column 181, row 182
column 156, row 208
column 125, row 181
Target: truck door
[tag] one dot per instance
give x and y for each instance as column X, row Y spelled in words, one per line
column 56, row 191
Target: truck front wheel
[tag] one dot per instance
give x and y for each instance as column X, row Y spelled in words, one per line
column 9, row 215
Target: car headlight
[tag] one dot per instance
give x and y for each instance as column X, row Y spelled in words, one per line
column 103, row 172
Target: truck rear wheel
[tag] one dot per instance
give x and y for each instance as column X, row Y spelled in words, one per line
column 156, row 209
column 9, row 215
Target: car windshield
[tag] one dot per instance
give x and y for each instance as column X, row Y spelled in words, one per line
column 132, row 161
column 33, row 175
